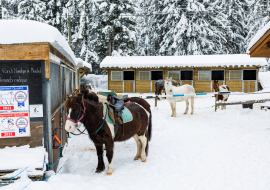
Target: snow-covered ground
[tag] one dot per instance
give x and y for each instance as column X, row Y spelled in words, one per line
column 224, row 150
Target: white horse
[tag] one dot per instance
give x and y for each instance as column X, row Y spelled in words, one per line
column 184, row 89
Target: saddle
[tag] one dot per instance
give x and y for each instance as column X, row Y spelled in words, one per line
column 117, row 104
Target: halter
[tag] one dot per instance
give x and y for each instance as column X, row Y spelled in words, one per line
column 78, row 120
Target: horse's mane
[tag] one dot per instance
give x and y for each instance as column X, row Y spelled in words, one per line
column 73, row 100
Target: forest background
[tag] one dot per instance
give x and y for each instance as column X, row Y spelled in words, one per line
column 99, row 28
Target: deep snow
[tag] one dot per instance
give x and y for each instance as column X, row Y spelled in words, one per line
column 223, row 150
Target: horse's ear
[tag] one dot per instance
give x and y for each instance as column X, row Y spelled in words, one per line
column 170, row 78
column 166, row 78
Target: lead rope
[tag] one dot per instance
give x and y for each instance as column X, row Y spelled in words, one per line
column 102, row 122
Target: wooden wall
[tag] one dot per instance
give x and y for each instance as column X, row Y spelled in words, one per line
column 200, row 86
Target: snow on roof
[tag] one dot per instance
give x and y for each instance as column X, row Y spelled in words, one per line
column 81, row 63
column 28, row 31
column 258, row 36
column 182, row 61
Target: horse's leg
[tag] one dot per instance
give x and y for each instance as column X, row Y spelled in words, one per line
column 100, row 166
column 171, row 103
column 139, row 147
column 143, row 141
column 109, row 153
column 187, row 105
column 192, row 104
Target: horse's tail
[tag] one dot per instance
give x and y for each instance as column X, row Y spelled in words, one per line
column 148, row 134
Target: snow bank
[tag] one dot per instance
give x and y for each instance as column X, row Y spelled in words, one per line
column 258, row 36
column 21, row 157
column 264, row 78
column 182, row 61
column 28, row 31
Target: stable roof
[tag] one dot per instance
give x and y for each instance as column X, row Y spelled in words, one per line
column 182, row 61
column 28, row 31
column 259, row 45
column 82, row 63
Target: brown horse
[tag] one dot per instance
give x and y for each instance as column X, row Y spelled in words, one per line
column 222, row 88
column 90, row 113
column 160, row 85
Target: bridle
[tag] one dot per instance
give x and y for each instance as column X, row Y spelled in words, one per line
column 78, row 119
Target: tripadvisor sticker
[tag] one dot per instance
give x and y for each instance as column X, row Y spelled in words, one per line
column 22, row 123
column 20, row 97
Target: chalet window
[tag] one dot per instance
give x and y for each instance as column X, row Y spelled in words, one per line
column 204, row 75
column 218, row 75
column 156, row 75
column 144, row 75
column 186, row 75
column 128, row 75
column 249, row 74
column 174, row 74
column 235, row 74
column 117, row 75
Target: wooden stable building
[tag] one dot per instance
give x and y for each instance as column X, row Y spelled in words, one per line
column 50, row 74
column 140, row 73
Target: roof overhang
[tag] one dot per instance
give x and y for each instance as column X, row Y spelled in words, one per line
column 259, row 46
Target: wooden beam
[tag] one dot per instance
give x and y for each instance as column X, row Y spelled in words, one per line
column 47, row 69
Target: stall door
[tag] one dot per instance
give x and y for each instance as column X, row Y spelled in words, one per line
column 250, row 80
column 129, row 81
column 186, row 77
column 155, row 76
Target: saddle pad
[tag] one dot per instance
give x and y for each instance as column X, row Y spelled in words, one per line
column 108, row 119
column 126, row 115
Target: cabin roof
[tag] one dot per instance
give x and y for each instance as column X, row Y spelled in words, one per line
column 182, row 61
column 28, row 31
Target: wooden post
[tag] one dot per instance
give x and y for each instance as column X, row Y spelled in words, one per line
column 216, row 102
column 155, row 101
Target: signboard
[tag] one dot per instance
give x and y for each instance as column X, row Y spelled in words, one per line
column 14, row 98
column 14, row 125
column 36, row 110
column 23, row 73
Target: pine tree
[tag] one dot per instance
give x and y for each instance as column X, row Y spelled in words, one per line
column 31, row 10
column 116, row 30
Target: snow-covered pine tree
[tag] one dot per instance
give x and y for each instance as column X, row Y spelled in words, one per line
column 31, row 10
column 86, row 37
column 191, row 28
column 116, row 27
column 258, row 17
column 148, row 27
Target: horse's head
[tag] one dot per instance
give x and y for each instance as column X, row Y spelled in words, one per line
column 216, row 86
column 75, row 112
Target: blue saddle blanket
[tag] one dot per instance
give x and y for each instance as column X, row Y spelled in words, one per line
column 126, row 115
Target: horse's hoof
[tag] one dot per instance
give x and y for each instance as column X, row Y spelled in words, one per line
column 191, row 113
column 144, row 160
column 98, row 171
column 136, row 158
column 109, row 173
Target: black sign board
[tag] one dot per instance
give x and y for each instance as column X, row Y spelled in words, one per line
column 19, row 73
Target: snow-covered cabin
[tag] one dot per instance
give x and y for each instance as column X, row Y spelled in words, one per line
column 259, row 45
column 37, row 55
column 140, row 73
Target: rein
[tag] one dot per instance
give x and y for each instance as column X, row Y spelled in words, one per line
column 76, row 123
column 102, row 122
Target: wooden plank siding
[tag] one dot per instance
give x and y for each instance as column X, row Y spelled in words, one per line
column 200, row 86
column 32, row 51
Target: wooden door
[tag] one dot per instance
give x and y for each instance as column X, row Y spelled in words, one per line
column 186, row 82
column 153, row 86
column 249, row 86
column 128, row 86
